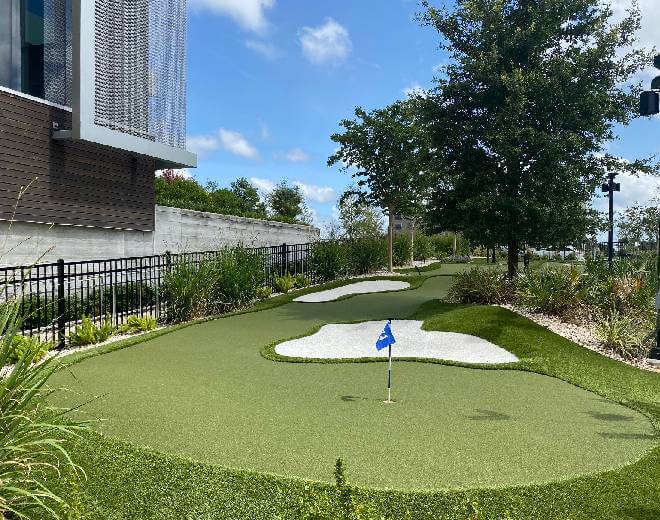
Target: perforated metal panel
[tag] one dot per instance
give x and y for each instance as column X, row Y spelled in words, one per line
column 57, row 51
column 129, row 76
column 140, row 68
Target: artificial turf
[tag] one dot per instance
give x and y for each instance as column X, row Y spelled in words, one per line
column 205, row 393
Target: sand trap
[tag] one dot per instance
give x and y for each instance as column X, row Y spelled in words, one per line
column 358, row 340
column 354, row 288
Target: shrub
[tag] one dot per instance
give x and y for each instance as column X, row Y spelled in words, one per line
column 556, row 291
column 443, row 245
column 136, row 324
column 423, row 247
column 30, row 346
column 326, row 260
column 284, row 284
column 483, row 286
column 365, row 256
column 458, row 259
column 624, row 335
column 232, row 279
column 185, row 291
column 401, row 249
column 300, row 281
column 264, row 292
column 32, row 434
column 89, row 333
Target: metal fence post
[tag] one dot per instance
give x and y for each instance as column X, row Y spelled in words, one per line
column 61, row 305
column 284, row 263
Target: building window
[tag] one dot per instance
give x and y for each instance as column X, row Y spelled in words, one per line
column 398, row 227
column 35, row 48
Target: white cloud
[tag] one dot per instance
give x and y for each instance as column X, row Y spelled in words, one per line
column 249, row 14
column 264, row 131
column 228, row 140
column 236, row 144
column 268, row 50
column 320, row 194
column 264, row 186
column 202, row 144
column 295, row 155
column 329, row 43
column 634, row 190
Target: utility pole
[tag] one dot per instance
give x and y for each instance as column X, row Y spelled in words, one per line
column 649, row 105
column 610, row 188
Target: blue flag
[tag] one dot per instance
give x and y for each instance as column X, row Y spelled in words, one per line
column 386, row 337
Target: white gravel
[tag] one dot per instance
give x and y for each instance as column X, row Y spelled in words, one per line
column 358, row 340
column 354, row 288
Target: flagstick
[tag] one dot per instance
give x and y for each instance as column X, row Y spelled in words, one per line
column 389, row 377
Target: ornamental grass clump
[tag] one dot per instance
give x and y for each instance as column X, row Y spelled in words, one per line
column 233, row 278
column 365, row 256
column 33, row 435
column 556, row 291
column 185, row 291
column 482, row 286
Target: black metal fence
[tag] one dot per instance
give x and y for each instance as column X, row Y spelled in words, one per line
column 54, row 297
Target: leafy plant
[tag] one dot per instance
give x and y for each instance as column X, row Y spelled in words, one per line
column 89, row 333
column 457, row 259
column 135, row 324
column 264, row 292
column 423, row 247
column 326, row 260
column 301, row 281
column 483, row 286
column 232, row 279
column 624, row 335
column 29, row 344
column 402, row 249
column 365, row 256
column 33, row 436
column 556, row 291
column 284, row 284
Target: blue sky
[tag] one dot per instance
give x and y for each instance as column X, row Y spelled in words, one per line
column 269, row 80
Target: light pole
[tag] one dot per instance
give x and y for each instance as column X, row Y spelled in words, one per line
column 649, row 105
column 610, row 187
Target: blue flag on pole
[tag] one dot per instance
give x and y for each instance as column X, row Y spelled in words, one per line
column 386, row 337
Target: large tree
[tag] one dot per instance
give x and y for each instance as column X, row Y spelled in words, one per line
column 288, row 203
column 248, row 196
column 521, row 114
column 381, row 149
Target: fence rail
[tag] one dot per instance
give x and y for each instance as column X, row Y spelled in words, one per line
column 54, row 297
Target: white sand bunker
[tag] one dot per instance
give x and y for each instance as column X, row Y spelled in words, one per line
column 354, row 288
column 358, row 340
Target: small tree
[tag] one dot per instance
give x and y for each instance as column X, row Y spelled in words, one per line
column 288, row 202
column 358, row 219
column 248, row 197
column 383, row 146
column 639, row 223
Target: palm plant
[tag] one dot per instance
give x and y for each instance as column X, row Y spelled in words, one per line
column 32, row 433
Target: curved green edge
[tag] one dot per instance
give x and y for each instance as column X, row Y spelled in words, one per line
column 125, row 481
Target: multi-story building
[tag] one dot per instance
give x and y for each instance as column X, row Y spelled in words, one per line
column 92, row 103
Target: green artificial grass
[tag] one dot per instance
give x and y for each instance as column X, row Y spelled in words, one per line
column 204, row 392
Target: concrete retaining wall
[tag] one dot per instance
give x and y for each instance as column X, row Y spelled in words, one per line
column 176, row 230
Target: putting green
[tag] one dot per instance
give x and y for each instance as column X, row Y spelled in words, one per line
column 205, row 392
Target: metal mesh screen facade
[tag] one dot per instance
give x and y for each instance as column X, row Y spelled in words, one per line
column 57, row 51
column 140, row 64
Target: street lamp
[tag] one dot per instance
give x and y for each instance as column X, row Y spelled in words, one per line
column 610, row 187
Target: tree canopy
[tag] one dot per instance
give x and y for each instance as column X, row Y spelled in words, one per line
column 519, row 118
column 287, row 203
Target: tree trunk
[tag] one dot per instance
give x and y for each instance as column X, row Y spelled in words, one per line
column 390, row 239
column 512, row 257
column 454, row 243
column 412, row 242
